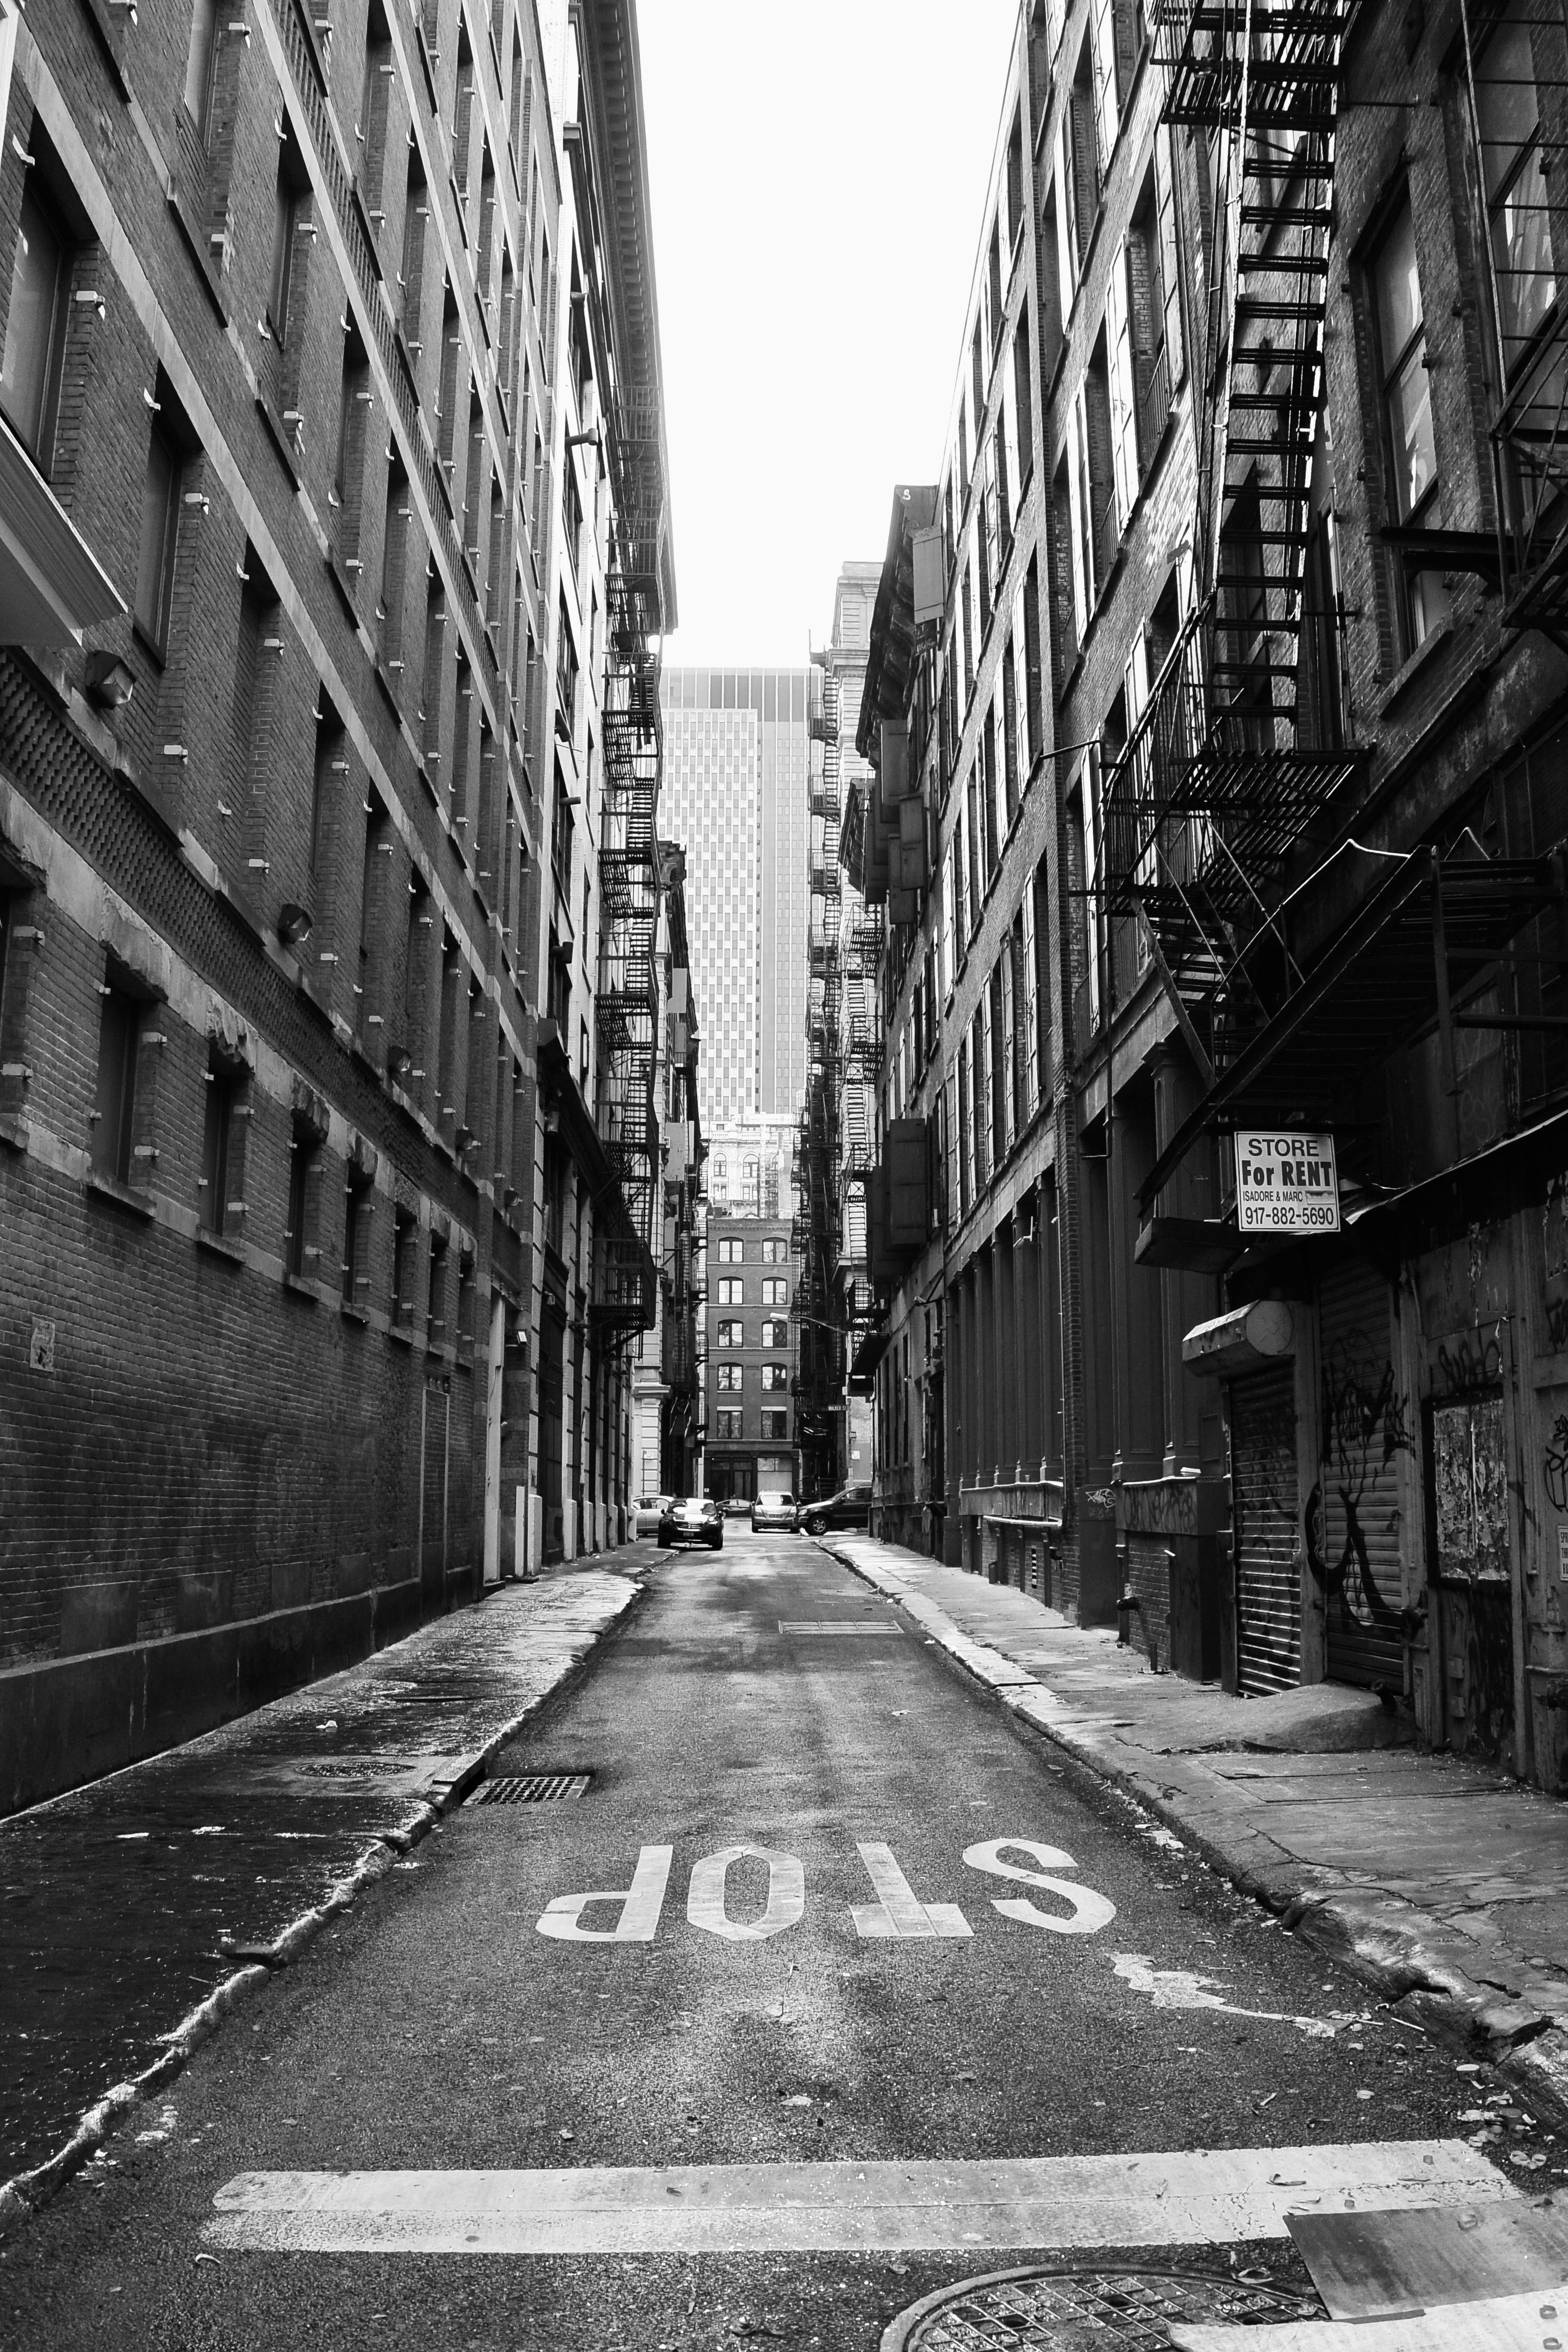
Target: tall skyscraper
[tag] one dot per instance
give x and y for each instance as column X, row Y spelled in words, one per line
column 735, row 791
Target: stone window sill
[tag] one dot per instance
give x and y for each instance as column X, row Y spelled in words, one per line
column 302, row 1287
column 124, row 1196
column 219, row 1246
column 352, row 1314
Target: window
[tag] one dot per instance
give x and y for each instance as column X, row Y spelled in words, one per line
column 727, row 1423
column 285, row 225
column 359, row 1197
column 223, row 1085
column 201, row 64
column 160, row 540
column 774, row 1335
column 436, row 1294
column 1406, row 400
column 35, row 327
column 776, row 1252
column 114, row 1102
column 304, row 1172
column 727, row 1377
column 732, row 1334
column 729, row 1291
column 1519, row 215
column 775, row 1379
column 730, row 1249
column 776, row 1424
column 405, row 1241
column 774, row 1292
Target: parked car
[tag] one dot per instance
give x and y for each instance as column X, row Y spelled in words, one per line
column 737, row 1507
column 692, row 1519
column 774, row 1508
column 849, row 1508
column 650, row 1509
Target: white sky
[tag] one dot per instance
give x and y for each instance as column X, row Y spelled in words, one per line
column 818, row 169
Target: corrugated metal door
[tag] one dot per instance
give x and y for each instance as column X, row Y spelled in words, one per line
column 1362, row 1432
column 1263, row 1490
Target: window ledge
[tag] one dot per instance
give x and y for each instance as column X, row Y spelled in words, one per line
column 133, row 1197
column 438, row 1351
column 352, row 1314
column 1405, row 676
column 219, row 1246
column 400, row 1335
column 13, row 1131
column 300, row 1286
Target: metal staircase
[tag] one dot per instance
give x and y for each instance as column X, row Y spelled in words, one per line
column 626, row 1004
column 1220, row 776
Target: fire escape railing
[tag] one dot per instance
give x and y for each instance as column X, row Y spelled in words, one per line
column 1219, row 779
column 627, row 1007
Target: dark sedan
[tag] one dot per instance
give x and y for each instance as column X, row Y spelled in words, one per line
column 692, row 1520
column 850, row 1508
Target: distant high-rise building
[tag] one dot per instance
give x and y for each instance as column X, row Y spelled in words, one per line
column 735, row 791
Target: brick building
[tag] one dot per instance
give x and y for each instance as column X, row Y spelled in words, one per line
column 293, row 635
column 749, row 1431
column 1218, row 722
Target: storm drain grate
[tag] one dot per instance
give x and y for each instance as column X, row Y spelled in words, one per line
column 839, row 1625
column 532, row 1789
column 1128, row 2311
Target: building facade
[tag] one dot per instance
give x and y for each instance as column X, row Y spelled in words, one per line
column 843, row 940
column 749, row 1167
column 752, row 1276
column 735, row 791
column 666, row 1428
column 303, row 644
column 1216, row 712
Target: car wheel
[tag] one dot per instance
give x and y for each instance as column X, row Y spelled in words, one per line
column 817, row 1525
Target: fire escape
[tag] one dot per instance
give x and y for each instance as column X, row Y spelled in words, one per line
column 819, row 1372
column 1218, row 780
column 626, row 1007
column 1516, row 88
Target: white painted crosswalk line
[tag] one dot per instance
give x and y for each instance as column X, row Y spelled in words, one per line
column 1193, row 2197
column 1513, row 2323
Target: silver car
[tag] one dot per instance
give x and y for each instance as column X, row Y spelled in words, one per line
column 774, row 1508
column 650, row 1509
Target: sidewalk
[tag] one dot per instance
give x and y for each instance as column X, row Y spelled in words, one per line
column 136, row 1911
column 1443, row 1882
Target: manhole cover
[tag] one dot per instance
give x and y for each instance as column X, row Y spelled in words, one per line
column 1124, row 2311
column 532, row 1789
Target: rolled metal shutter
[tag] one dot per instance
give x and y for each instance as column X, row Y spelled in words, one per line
column 1359, row 1559
column 1263, row 1496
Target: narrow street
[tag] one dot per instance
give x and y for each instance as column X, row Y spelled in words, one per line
column 943, row 1946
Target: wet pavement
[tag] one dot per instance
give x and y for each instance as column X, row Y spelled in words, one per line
column 124, row 1903
column 909, row 1995
column 1442, row 1878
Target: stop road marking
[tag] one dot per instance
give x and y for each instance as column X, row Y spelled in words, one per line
column 897, row 1914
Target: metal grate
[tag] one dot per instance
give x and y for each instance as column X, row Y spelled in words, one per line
column 1128, row 2311
column 532, row 1789
column 837, row 1625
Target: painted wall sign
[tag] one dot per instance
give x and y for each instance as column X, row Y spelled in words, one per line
column 1286, row 1182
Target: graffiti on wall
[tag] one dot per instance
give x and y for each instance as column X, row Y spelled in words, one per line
column 1469, row 1361
column 1366, row 1423
column 1555, row 1468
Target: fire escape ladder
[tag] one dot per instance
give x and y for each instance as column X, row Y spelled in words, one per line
column 626, row 1004
column 1216, row 782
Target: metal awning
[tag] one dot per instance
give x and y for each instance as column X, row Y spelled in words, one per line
column 869, row 1350
column 1426, row 936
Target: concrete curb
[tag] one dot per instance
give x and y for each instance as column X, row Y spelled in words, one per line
column 25, row 2193
column 1401, row 1952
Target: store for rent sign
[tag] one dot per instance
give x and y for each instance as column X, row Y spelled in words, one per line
column 1285, row 1183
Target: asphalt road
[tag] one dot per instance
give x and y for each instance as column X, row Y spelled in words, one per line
column 437, row 2029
